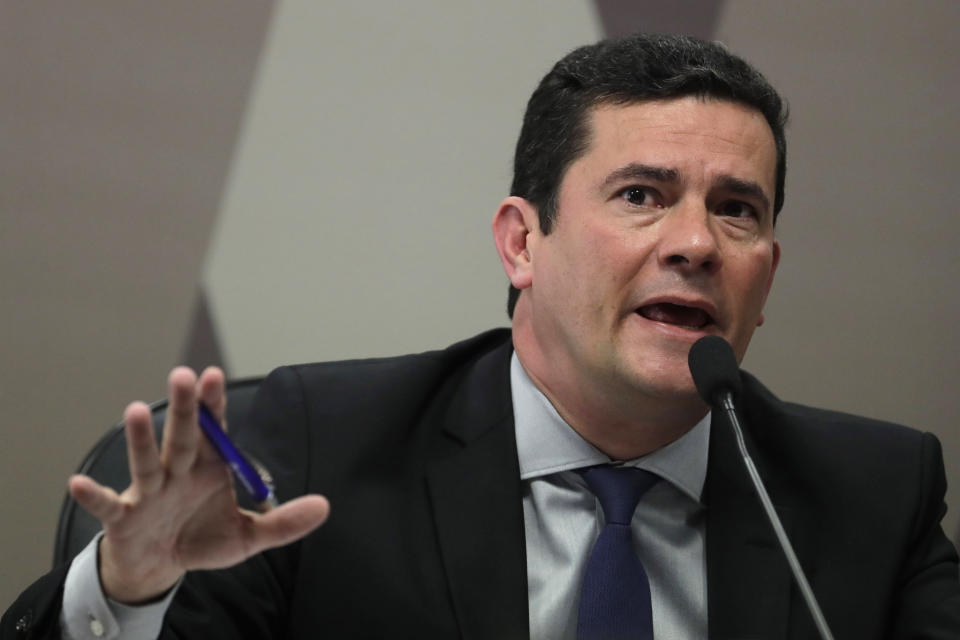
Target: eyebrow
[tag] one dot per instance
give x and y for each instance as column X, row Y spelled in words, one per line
column 637, row 171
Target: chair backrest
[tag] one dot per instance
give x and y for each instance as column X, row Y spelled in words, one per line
column 107, row 464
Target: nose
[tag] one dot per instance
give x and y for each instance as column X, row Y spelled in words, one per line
column 688, row 242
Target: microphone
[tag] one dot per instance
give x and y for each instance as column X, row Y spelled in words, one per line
column 716, row 375
column 714, row 368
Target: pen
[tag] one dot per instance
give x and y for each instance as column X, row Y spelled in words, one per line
column 249, row 477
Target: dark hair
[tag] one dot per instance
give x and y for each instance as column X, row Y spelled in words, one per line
column 628, row 70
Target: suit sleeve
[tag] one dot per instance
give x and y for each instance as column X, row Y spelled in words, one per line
column 36, row 613
column 929, row 597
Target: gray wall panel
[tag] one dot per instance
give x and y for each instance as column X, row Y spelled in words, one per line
column 861, row 315
column 116, row 126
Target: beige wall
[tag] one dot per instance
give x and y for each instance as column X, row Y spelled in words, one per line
column 377, row 145
column 330, row 189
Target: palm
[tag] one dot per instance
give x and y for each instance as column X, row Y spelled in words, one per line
column 180, row 512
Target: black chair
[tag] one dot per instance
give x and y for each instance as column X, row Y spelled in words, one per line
column 107, row 464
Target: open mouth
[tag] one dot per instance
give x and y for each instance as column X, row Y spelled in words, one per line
column 677, row 315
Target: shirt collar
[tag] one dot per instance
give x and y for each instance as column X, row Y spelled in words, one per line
column 546, row 444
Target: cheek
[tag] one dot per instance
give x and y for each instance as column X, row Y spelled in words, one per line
column 613, row 254
column 593, row 266
column 583, row 259
column 752, row 291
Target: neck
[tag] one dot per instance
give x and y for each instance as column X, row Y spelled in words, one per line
column 622, row 422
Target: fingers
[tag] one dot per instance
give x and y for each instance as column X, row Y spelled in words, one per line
column 180, row 433
column 146, row 472
column 210, row 390
column 181, row 437
column 288, row 522
column 103, row 503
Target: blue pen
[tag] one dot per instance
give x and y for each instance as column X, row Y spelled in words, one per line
column 252, row 480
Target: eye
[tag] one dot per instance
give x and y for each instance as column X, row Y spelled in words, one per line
column 737, row 209
column 641, row 196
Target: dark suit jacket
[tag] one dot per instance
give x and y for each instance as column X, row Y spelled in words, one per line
column 418, row 457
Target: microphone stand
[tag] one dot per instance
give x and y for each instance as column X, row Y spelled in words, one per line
column 725, row 400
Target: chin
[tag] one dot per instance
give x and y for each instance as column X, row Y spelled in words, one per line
column 667, row 382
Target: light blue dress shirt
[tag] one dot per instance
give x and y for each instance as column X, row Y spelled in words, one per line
column 562, row 520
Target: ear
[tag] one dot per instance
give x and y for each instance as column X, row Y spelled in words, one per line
column 773, row 271
column 513, row 223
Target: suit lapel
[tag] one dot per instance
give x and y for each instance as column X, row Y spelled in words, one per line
column 474, row 484
column 748, row 579
column 476, row 496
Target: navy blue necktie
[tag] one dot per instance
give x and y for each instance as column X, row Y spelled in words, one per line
column 615, row 595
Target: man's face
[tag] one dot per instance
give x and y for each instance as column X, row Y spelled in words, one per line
column 663, row 234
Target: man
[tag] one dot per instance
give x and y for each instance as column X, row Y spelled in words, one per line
column 649, row 173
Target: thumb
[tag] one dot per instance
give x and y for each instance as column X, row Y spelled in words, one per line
column 287, row 523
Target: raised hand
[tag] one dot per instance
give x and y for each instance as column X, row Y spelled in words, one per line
column 180, row 512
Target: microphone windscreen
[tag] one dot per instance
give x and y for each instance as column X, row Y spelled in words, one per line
column 714, row 368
